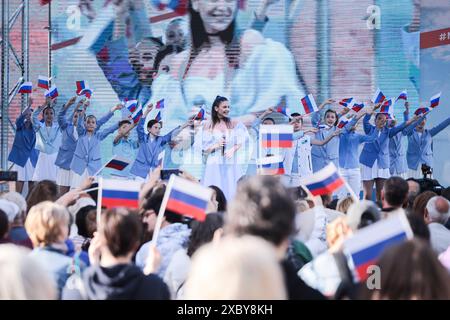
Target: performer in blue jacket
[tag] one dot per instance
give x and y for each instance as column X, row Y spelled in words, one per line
column 374, row 157
column 420, row 145
column 23, row 154
column 86, row 159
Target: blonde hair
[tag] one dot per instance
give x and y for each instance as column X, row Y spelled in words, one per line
column 245, row 268
column 344, row 203
column 45, row 223
column 23, row 278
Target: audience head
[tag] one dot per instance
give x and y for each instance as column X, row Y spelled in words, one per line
column 411, row 271
column 437, row 210
column 219, row 196
column 44, row 190
column 47, row 223
column 120, row 233
column 413, row 191
column 344, row 203
column 204, row 232
column 19, row 200
column 420, row 203
column 394, row 193
column 23, row 278
column 419, row 227
column 326, row 199
column 262, row 207
column 245, row 268
column 86, row 221
column 361, row 214
column 10, row 209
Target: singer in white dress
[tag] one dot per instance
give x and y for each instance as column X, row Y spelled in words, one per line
column 221, row 139
column 254, row 72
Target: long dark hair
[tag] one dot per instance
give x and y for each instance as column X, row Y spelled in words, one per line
column 200, row 39
column 214, row 115
column 221, row 199
column 203, row 232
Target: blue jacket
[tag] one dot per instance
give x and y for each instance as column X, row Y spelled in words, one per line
column 323, row 155
column 348, row 146
column 48, row 139
column 23, row 145
column 378, row 150
column 69, row 142
column 148, row 152
column 420, row 148
column 87, row 153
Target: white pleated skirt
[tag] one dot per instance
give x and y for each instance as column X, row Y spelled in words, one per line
column 45, row 167
column 24, row 173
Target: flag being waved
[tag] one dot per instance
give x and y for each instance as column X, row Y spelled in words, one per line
column 131, row 105
column 81, row 85
column 26, row 87
column 342, row 123
column 276, row 136
column 345, row 102
column 309, row 104
column 366, row 246
column 118, row 163
column 357, row 106
column 160, row 104
column 52, row 92
column 403, row 96
column 324, row 181
column 187, row 198
column 434, row 100
column 271, row 165
column 119, row 193
column 385, row 107
column 137, row 115
column 378, row 97
column 44, row 82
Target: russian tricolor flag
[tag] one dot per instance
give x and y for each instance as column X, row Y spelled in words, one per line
column 52, row 92
column 81, row 85
column 276, row 136
column 403, row 96
column 378, row 97
column 324, row 181
column 86, row 92
column 271, row 165
column 365, row 247
column 137, row 115
column 26, row 87
column 117, row 163
column 342, row 123
column 119, row 193
column 43, row 82
column 187, row 198
column 385, row 107
column 357, row 106
column 200, row 115
column 160, row 104
column 131, row 105
column 434, row 100
column 158, row 116
column 345, row 102
column 420, row 111
column 309, row 104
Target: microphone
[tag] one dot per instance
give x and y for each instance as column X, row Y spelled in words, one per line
column 223, row 147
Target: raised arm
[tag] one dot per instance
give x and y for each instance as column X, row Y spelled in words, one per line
column 441, row 126
column 106, row 132
column 316, row 116
column 62, row 121
column 393, row 131
column 35, row 118
column 327, row 139
column 172, row 134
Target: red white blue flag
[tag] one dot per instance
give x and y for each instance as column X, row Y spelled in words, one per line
column 378, row 97
column 26, row 87
column 324, row 181
column 44, row 82
column 309, row 104
column 434, row 100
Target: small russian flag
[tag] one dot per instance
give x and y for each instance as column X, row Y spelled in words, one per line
column 357, row 106
column 324, row 181
column 365, row 247
column 52, row 92
column 200, row 115
column 160, row 104
column 342, row 123
column 385, row 107
column 158, row 116
column 137, row 115
column 119, row 193
column 187, row 198
column 86, row 92
column 345, row 102
column 420, row 111
column 26, row 87
column 131, row 105
column 161, row 157
column 434, row 100
column 309, row 104
column 378, row 97
column 43, row 82
column 117, row 163
column 403, row 96
column 281, row 109
column 81, row 85
column 323, row 126
column 271, row 165
column 276, row 136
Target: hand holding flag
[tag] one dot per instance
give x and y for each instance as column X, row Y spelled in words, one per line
column 309, row 104
column 403, row 96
